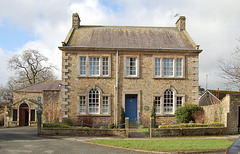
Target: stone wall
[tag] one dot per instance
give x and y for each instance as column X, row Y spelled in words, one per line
column 83, row 132
column 167, row 132
column 171, row 132
column 217, row 112
column 52, row 106
column 226, row 112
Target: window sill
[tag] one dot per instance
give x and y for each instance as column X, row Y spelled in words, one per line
column 102, row 77
column 131, row 77
column 169, row 78
column 94, row 115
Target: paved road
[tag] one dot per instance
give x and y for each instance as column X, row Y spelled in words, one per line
column 23, row 140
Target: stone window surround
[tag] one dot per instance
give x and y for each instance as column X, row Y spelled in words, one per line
column 175, row 95
column 100, row 110
column 101, row 65
column 174, row 57
column 138, row 66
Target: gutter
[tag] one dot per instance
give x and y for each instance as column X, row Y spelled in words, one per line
column 86, row 48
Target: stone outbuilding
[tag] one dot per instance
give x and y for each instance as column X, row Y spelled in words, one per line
column 22, row 112
column 109, row 68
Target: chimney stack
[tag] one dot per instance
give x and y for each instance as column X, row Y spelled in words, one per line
column 181, row 25
column 75, row 20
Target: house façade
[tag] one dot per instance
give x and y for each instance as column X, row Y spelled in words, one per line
column 109, row 68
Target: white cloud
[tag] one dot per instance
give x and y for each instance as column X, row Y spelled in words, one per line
column 214, row 25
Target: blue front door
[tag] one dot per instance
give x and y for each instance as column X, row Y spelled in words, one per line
column 131, row 107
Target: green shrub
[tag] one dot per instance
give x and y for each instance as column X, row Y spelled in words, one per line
column 111, row 125
column 185, row 113
column 122, row 122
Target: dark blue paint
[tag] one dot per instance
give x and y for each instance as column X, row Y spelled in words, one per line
column 131, row 107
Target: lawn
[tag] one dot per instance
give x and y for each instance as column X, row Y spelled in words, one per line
column 176, row 145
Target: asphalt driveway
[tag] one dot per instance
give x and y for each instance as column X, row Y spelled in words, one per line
column 21, row 140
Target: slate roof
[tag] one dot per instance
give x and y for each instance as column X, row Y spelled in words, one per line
column 129, row 37
column 208, row 99
column 220, row 94
column 40, row 87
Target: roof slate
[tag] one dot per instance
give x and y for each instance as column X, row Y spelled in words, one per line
column 40, row 87
column 130, row 37
column 220, row 94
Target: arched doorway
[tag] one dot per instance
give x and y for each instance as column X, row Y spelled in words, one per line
column 23, row 115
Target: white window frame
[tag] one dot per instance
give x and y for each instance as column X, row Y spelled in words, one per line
column 105, row 104
column 82, row 107
column 83, row 65
column 94, row 102
column 168, row 102
column 179, row 67
column 179, row 101
column 131, row 66
column 94, row 66
column 168, row 67
column 105, row 66
column 158, row 67
column 157, row 100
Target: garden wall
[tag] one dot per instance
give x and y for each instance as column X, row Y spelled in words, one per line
column 226, row 112
column 82, row 132
column 163, row 132
column 172, row 132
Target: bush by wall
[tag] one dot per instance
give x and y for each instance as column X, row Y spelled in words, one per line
column 185, row 113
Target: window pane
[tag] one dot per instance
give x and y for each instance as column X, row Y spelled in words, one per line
column 179, row 67
column 131, row 66
column 93, row 103
column 82, row 105
column 157, row 104
column 105, row 65
column 82, row 65
column 105, row 105
column 14, row 114
column 157, row 66
column 179, row 102
column 33, row 115
column 168, row 67
column 94, row 66
column 168, row 102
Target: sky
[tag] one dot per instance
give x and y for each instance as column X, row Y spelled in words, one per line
column 43, row 25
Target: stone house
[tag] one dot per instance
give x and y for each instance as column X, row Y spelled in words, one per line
column 22, row 112
column 109, row 68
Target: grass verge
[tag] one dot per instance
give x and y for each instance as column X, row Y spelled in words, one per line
column 169, row 145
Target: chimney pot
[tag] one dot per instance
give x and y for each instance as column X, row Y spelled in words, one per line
column 217, row 89
column 75, row 20
column 181, row 24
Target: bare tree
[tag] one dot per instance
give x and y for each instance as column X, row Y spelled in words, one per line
column 31, row 67
column 230, row 70
column 6, row 95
